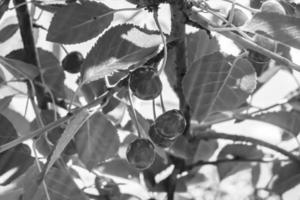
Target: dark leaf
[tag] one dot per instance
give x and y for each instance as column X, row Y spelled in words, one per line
column 8, row 31
column 255, row 174
column 4, row 103
column 285, row 29
column 288, row 121
column 49, row 7
column 77, row 23
column 59, row 183
column 3, row 7
column 118, row 49
column 212, row 85
column 237, row 151
column 97, row 141
column 288, row 177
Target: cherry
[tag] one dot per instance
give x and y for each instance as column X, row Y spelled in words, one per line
column 239, row 17
column 145, row 83
column 140, row 153
column 158, row 139
column 171, row 124
column 272, row 6
column 72, row 62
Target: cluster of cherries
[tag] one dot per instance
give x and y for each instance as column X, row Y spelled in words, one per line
column 145, row 84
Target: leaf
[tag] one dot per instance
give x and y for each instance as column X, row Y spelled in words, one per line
column 199, row 44
column 288, row 177
column 59, row 183
column 3, row 7
column 285, row 29
column 77, row 23
column 288, row 121
column 8, row 31
column 212, row 85
column 72, row 128
column 118, row 49
column 236, row 151
column 15, row 160
column 49, row 7
column 4, row 102
column 19, row 68
column 50, row 68
column 97, row 141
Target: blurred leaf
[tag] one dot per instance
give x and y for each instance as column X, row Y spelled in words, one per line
column 205, row 149
column 8, row 31
column 77, row 23
column 118, row 49
column 74, row 125
column 4, row 102
column 285, row 29
column 19, row 68
column 288, row 121
column 58, row 181
column 236, row 151
column 3, row 7
column 97, row 140
column 15, row 160
column 49, row 7
column 51, row 70
column 199, row 44
column 255, row 174
column 120, row 168
column 288, row 177
column 213, row 85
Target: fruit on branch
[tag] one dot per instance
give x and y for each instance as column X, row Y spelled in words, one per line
column 140, row 153
column 145, row 83
column 239, row 17
column 167, row 127
column 72, row 62
column 107, row 188
column 158, row 139
column 171, row 124
column 272, row 6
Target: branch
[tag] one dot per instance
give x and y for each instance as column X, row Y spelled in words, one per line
column 240, row 138
column 31, row 55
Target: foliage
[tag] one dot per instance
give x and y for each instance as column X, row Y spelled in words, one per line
column 91, row 139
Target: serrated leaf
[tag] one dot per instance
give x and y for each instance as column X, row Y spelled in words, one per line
column 97, row 141
column 8, row 31
column 77, row 23
column 75, row 124
column 50, row 68
column 59, row 183
column 118, row 49
column 285, row 29
column 17, row 158
column 19, row 68
column 212, row 85
column 288, row 177
column 3, row 7
column 288, row 121
column 199, row 44
column 237, row 151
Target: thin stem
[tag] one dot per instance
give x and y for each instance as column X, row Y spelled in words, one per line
column 134, row 114
column 153, row 109
column 155, row 16
column 240, row 138
column 243, row 6
column 162, row 103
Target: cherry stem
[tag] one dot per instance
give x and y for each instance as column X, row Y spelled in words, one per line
column 162, row 103
column 134, row 114
column 155, row 16
column 153, row 109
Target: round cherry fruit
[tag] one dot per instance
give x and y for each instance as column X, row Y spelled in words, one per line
column 72, row 62
column 171, row 124
column 145, row 83
column 140, row 153
column 239, row 17
column 158, row 139
column 273, row 6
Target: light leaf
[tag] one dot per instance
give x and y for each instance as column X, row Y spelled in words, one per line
column 283, row 28
column 213, row 85
column 118, row 49
column 77, row 23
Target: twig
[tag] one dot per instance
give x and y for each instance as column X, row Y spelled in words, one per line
column 240, row 138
